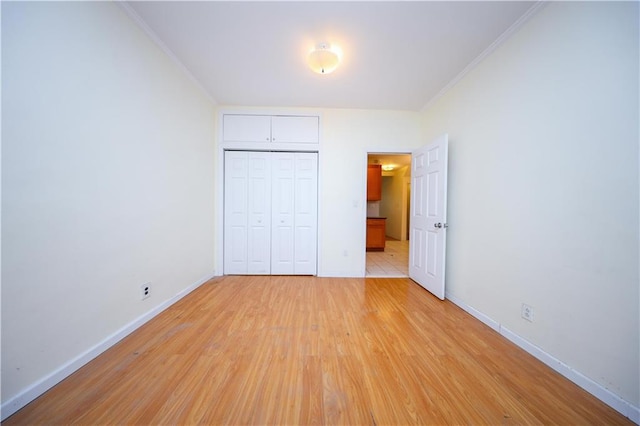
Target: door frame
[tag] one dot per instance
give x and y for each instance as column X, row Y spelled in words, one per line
column 406, row 206
column 363, row 225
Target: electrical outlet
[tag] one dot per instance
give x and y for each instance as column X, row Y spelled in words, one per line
column 145, row 291
column 527, row 312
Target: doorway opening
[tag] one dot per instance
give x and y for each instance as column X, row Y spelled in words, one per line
column 393, row 207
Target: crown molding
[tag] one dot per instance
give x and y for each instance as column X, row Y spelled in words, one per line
column 488, row 51
column 126, row 7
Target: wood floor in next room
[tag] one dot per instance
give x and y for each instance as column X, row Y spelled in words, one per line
column 307, row 350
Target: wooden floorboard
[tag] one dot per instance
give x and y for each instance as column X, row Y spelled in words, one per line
column 314, row 351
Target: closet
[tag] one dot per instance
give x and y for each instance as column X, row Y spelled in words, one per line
column 270, row 193
column 270, row 212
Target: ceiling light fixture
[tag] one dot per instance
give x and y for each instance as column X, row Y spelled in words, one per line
column 387, row 168
column 324, row 58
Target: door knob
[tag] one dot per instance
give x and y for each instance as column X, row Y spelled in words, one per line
column 437, row 225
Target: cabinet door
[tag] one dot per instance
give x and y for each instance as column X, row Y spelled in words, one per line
column 235, row 212
column 282, row 213
column 259, row 214
column 376, row 234
column 306, row 213
column 291, row 129
column 374, row 182
column 246, row 128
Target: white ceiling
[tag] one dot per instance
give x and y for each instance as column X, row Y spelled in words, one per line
column 396, row 55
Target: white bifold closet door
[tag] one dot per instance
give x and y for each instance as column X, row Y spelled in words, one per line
column 247, row 213
column 271, row 204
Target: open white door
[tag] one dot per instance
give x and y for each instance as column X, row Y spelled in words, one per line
column 428, row 224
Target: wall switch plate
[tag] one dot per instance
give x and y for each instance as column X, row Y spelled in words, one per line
column 527, row 312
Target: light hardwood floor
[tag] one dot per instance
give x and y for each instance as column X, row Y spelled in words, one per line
column 306, row 350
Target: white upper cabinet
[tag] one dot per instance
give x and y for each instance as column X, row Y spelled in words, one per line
column 246, row 128
column 290, row 129
column 276, row 129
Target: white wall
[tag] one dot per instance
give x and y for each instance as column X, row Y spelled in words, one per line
column 107, row 183
column 347, row 137
column 393, row 203
column 543, row 188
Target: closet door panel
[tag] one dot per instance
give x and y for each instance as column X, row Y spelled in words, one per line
column 235, row 212
column 306, row 213
column 259, row 213
column 282, row 211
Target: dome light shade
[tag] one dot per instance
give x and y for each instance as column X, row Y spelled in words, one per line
column 324, row 59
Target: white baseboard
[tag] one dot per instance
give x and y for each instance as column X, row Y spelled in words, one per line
column 38, row 388
column 474, row 312
column 603, row 394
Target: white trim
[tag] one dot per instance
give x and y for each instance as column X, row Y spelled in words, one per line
column 595, row 389
column 495, row 325
column 488, row 51
column 154, row 37
column 219, row 200
column 38, row 388
column 603, row 394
